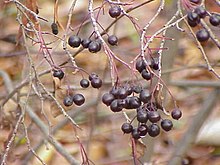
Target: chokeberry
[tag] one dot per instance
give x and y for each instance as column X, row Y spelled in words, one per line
column 154, row 64
column 146, row 75
column 133, row 102
column 201, row 11
column 127, row 128
column 166, row 124
column 214, row 19
column 122, row 93
column 193, row 19
column 96, row 82
column 78, row 99
column 115, row 91
column 176, row 114
column 85, row 42
column 68, row 101
column 115, row 107
column 58, row 73
column 114, row 11
column 113, row 40
column 154, row 130
column 143, row 129
column 84, row 83
column 145, row 95
column 202, row 35
column 54, row 28
column 135, row 133
column 94, row 46
column 140, row 65
column 74, row 41
column 142, row 116
column 153, row 116
column 92, row 76
column 107, row 98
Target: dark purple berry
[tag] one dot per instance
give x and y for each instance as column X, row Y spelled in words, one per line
column 96, row 82
column 115, row 91
column 214, row 19
column 107, row 98
column 114, row 11
column 94, row 46
column 140, row 65
column 92, row 76
column 68, row 101
column 129, row 90
column 85, row 42
column 142, row 129
column 193, row 19
column 142, row 116
column 135, row 133
column 146, row 75
column 201, row 12
column 74, row 41
column 122, row 93
column 113, row 40
column 166, row 124
column 78, row 99
column 154, row 130
column 133, row 102
column 176, row 114
column 115, row 107
column 154, row 64
column 202, row 35
column 127, row 128
column 54, row 28
column 145, row 95
column 153, row 116
column 58, row 73
column 84, row 83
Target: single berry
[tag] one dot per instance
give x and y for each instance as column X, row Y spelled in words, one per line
column 78, row 99
column 96, row 82
column 142, row 116
column 127, row 128
column 146, row 75
column 85, row 42
column 94, row 46
column 115, row 91
column 195, row 1
column 68, row 101
column 54, row 28
column 193, row 19
column 142, row 129
column 154, row 64
column 153, row 116
column 140, row 65
column 166, row 124
column 84, row 83
column 214, row 19
column 115, row 107
column 107, row 98
column 135, row 133
column 133, row 102
column 128, row 90
column 92, row 76
column 113, row 40
column 74, row 41
column 122, row 93
column 154, row 130
column 176, row 114
column 201, row 11
column 114, row 11
column 145, row 95
column 58, row 73
column 202, row 35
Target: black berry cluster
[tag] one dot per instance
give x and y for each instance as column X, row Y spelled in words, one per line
column 77, row 99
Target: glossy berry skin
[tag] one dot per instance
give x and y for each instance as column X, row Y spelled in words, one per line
column 127, row 128
column 114, row 11
column 94, row 46
column 201, row 11
column 115, row 107
column 78, row 99
column 84, row 83
column 202, row 35
column 133, row 102
column 193, row 19
column 135, row 134
column 166, row 124
column 58, row 73
column 122, row 93
column 146, row 75
column 145, row 96
column 85, row 42
column 54, row 28
column 176, row 114
column 195, row 1
column 140, row 65
column 214, row 20
column 142, row 129
column 154, row 130
column 74, row 41
column 154, row 65
column 96, row 82
column 68, row 101
column 142, row 116
column 107, row 98
column 153, row 116
column 113, row 40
